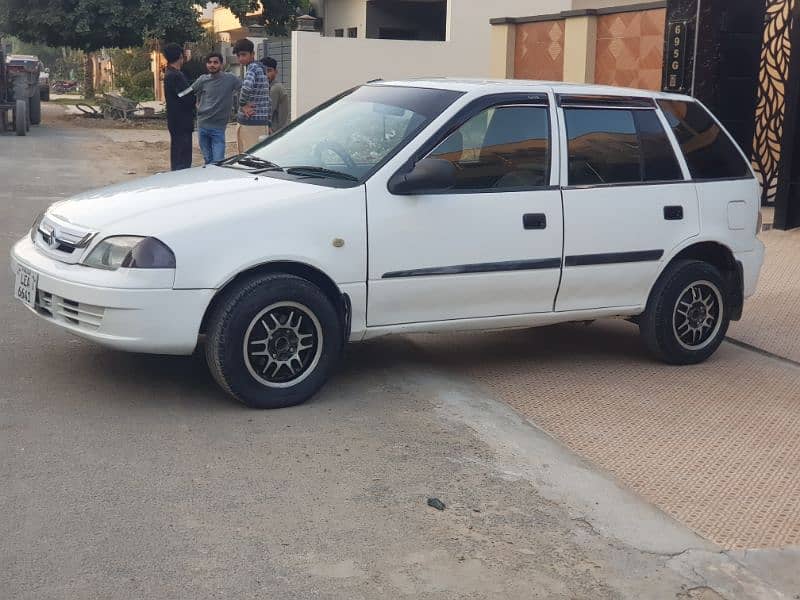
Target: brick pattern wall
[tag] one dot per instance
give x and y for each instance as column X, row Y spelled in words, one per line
column 540, row 51
column 630, row 49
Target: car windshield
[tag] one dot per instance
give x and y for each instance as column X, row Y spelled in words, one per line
column 350, row 137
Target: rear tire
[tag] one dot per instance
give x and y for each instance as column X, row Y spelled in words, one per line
column 687, row 314
column 36, row 109
column 273, row 341
column 21, row 117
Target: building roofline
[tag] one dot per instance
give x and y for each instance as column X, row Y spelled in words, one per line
column 586, row 12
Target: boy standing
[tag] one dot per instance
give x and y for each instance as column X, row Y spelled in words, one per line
column 215, row 93
column 255, row 108
column 278, row 96
column 180, row 109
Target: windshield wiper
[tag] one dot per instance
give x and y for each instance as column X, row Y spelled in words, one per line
column 313, row 171
column 251, row 160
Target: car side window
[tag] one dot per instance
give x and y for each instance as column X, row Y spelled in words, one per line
column 608, row 146
column 501, row 148
column 709, row 152
column 658, row 155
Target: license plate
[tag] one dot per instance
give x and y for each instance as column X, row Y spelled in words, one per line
column 25, row 285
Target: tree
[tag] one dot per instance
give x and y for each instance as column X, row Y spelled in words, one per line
column 278, row 16
column 90, row 25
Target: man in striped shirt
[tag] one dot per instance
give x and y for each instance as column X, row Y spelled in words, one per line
column 255, row 108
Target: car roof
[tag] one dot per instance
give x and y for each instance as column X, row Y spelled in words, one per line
column 493, row 86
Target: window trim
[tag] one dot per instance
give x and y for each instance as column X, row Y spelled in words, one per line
column 474, row 108
column 605, row 102
column 626, row 185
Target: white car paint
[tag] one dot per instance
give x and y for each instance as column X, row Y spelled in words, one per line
column 220, row 222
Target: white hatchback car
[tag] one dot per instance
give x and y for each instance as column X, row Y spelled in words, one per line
column 413, row 206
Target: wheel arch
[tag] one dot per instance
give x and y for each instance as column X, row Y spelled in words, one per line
column 722, row 257
column 339, row 300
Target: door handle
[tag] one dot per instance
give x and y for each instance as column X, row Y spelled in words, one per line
column 673, row 213
column 534, row 221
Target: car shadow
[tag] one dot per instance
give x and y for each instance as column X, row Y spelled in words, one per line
column 82, row 369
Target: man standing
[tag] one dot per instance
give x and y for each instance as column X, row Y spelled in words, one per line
column 180, row 110
column 277, row 95
column 215, row 94
column 254, row 103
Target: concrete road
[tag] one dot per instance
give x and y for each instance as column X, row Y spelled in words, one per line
column 129, row 477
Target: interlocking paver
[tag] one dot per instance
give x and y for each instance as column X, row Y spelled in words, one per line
column 714, row 445
column 772, row 316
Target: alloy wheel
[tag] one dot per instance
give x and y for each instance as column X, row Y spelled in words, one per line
column 283, row 344
column 697, row 316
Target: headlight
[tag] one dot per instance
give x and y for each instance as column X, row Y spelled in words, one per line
column 130, row 252
column 35, row 226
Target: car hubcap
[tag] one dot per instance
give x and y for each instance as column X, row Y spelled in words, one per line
column 283, row 344
column 697, row 317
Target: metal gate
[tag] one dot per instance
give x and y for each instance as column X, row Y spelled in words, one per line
column 281, row 50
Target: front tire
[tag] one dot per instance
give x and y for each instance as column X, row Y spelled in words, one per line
column 687, row 314
column 273, row 341
column 36, row 109
column 21, row 117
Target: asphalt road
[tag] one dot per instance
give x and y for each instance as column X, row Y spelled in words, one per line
column 127, row 476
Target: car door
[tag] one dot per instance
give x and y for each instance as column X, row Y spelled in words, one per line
column 627, row 201
column 490, row 245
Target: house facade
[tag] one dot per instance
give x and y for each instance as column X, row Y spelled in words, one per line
column 360, row 40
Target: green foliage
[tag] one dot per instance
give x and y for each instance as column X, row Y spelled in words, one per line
column 89, row 25
column 278, row 16
column 132, row 73
column 142, row 84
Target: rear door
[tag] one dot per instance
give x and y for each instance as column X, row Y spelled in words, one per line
column 627, row 200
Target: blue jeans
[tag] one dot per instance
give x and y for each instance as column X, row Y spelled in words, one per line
column 212, row 143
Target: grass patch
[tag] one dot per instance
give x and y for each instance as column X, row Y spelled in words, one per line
column 72, row 101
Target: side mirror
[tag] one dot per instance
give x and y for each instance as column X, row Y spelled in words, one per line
column 428, row 175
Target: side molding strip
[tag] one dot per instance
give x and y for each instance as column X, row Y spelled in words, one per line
column 514, row 265
column 584, row 260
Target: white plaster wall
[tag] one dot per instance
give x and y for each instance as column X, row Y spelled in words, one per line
column 325, row 66
column 343, row 14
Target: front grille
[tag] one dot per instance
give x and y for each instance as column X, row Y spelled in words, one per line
column 86, row 316
column 54, row 244
column 60, row 240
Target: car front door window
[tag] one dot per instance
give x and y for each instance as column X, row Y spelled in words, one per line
column 501, row 148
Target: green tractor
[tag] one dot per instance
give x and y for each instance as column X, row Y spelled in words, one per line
column 20, row 100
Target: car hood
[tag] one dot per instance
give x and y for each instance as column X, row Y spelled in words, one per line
column 158, row 203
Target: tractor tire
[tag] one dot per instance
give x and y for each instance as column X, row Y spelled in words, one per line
column 21, row 117
column 36, row 109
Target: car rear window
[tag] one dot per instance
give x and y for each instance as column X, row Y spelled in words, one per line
column 709, row 151
column 618, row 146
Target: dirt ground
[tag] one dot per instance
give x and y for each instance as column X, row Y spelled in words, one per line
column 146, row 143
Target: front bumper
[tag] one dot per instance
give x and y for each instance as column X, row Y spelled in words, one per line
column 131, row 309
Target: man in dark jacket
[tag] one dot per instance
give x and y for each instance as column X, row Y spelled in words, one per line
column 180, row 110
